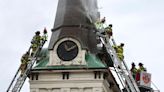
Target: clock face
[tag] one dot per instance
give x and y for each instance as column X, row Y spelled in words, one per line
column 67, row 50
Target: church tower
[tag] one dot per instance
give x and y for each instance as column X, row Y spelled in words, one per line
column 71, row 62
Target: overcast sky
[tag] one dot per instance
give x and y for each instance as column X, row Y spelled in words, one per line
column 137, row 23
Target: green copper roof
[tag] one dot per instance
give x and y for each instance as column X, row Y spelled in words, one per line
column 92, row 62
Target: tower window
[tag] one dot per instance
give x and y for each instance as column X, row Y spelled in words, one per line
column 37, row 76
column 32, row 77
column 105, row 75
column 97, row 74
column 65, row 75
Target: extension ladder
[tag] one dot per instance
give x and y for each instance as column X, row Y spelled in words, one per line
column 18, row 81
column 124, row 72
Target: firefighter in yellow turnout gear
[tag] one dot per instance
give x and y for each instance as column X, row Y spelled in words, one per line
column 133, row 70
column 99, row 24
column 141, row 68
column 35, row 43
column 108, row 30
column 45, row 36
column 119, row 51
column 24, row 62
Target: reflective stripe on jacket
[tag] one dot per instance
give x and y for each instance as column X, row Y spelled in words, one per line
column 99, row 25
column 44, row 37
column 118, row 49
column 36, row 39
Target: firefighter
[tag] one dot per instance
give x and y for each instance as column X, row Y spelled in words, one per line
column 108, row 30
column 97, row 24
column 35, row 43
column 119, row 51
column 141, row 68
column 44, row 37
column 133, row 70
column 24, row 62
column 100, row 30
column 100, row 25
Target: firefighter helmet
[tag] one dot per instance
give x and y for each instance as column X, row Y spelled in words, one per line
column 133, row 64
column 140, row 64
column 45, row 31
column 37, row 32
column 110, row 25
column 122, row 44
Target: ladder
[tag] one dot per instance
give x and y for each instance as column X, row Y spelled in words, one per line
column 124, row 72
column 18, row 81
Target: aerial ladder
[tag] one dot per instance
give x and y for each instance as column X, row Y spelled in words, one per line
column 123, row 71
column 18, row 81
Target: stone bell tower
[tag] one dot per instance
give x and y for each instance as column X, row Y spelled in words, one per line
column 70, row 63
column 73, row 28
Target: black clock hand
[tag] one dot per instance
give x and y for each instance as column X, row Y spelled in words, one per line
column 66, row 47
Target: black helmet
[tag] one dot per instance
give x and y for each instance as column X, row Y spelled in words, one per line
column 27, row 53
column 140, row 64
column 37, row 32
column 103, row 20
column 133, row 64
column 122, row 44
column 110, row 25
column 45, row 30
